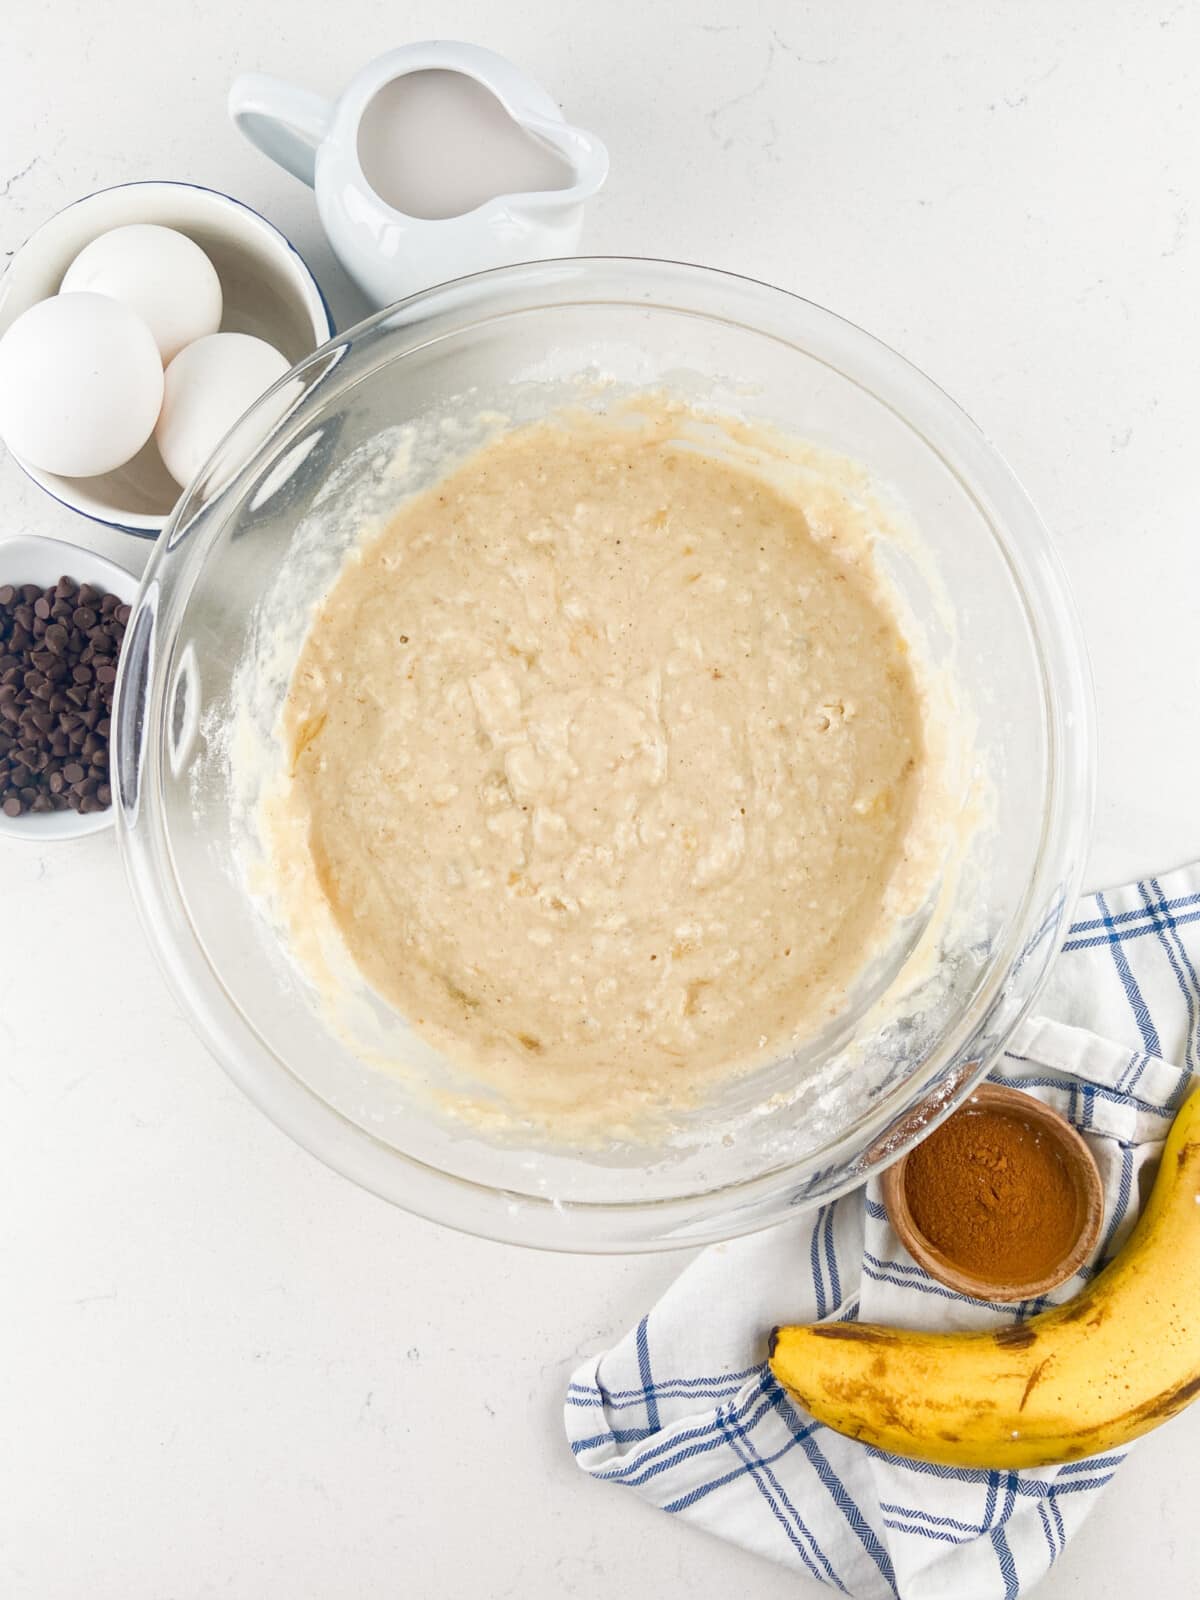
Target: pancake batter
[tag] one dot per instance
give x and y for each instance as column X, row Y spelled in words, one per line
column 606, row 762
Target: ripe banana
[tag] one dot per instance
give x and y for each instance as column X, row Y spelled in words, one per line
column 1085, row 1377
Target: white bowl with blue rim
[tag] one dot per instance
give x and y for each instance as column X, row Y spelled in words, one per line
column 268, row 291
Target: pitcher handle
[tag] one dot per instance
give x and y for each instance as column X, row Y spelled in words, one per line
column 284, row 122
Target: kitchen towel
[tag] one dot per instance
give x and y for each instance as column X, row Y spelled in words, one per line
column 685, row 1412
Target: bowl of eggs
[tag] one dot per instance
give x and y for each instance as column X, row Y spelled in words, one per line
column 136, row 326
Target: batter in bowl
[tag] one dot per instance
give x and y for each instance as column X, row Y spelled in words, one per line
column 609, row 759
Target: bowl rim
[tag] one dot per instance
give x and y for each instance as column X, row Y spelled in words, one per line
column 148, row 527
column 757, row 1201
column 1011, row 1101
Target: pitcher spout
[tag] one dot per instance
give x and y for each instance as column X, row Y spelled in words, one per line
column 585, row 156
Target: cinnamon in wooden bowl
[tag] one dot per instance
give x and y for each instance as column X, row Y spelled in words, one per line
column 1002, row 1201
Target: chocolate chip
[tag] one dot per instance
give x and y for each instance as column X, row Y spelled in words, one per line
column 58, row 653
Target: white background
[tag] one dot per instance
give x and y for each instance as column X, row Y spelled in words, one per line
column 225, row 1371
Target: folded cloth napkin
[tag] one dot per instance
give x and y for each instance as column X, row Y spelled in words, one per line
column 685, row 1412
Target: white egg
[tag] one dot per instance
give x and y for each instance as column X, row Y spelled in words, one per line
column 208, row 386
column 81, row 384
column 162, row 275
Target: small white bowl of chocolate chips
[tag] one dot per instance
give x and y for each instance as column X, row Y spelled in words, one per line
column 63, row 612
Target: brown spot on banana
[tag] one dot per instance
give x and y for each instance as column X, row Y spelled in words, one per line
column 1166, row 1405
column 854, row 1332
column 1033, row 1380
column 1083, row 1309
column 1016, row 1336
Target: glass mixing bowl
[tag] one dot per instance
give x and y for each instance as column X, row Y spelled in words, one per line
column 262, row 533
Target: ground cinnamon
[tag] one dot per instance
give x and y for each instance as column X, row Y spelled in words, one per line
column 993, row 1195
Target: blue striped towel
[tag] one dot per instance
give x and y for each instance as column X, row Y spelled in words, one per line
column 685, row 1412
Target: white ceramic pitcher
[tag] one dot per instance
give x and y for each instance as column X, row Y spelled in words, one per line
column 387, row 253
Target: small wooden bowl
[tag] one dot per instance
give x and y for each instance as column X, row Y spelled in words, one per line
column 1080, row 1164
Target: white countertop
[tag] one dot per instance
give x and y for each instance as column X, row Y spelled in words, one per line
column 224, row 1370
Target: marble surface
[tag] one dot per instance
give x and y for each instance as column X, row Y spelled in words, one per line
column 223, row 1370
